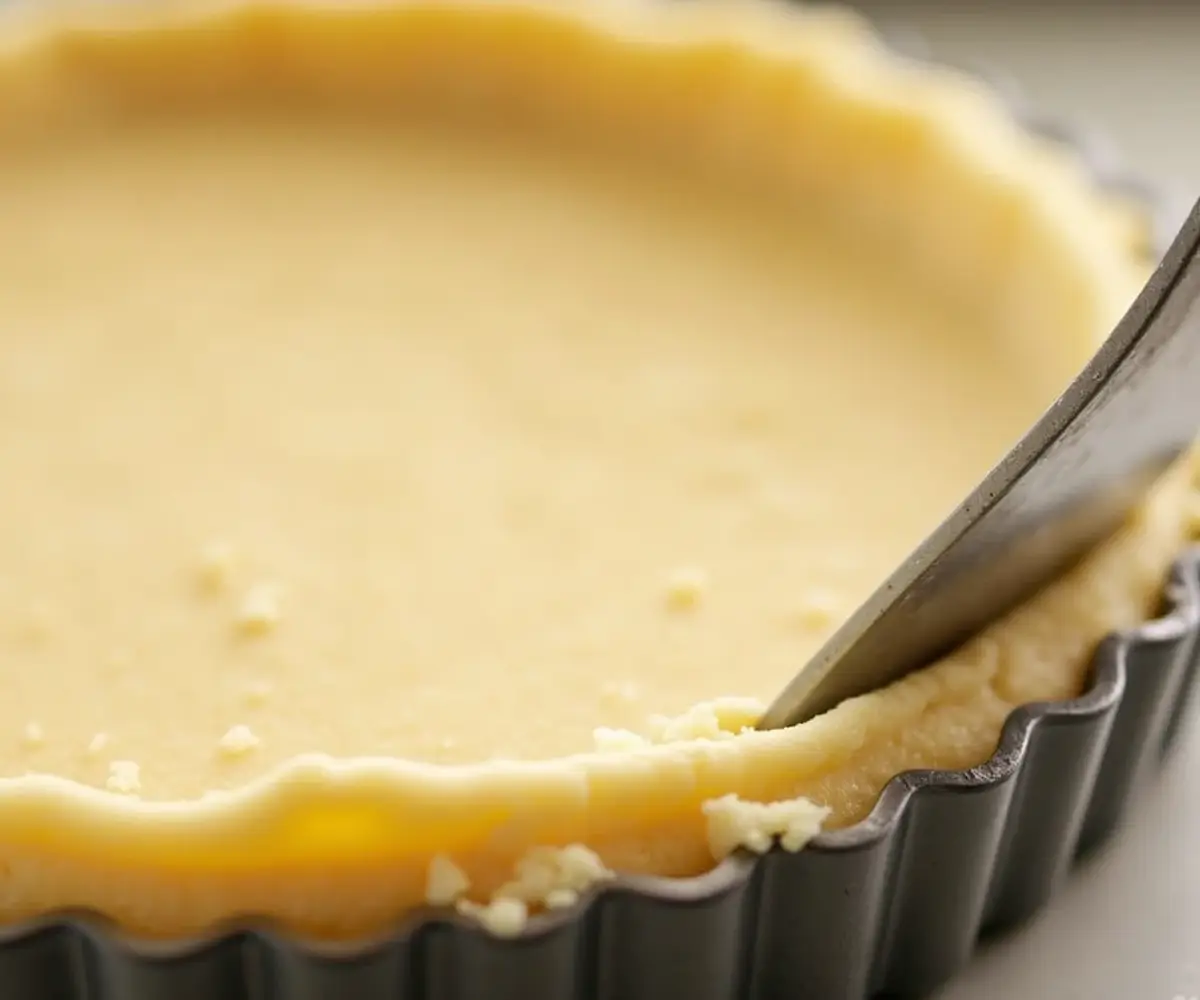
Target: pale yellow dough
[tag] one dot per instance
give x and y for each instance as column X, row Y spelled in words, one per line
column 381, row 483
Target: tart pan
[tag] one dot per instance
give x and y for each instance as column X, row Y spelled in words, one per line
column 892, row 905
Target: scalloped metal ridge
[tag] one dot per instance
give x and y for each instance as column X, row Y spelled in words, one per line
column 891, row 905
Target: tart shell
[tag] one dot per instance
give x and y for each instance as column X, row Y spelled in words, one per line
column 893, row 904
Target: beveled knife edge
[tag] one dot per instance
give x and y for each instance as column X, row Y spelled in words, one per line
column 1067, row 484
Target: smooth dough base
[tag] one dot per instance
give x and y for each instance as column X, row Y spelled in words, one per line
column 569, row 491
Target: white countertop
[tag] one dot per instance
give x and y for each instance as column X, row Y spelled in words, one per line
column 1127, row 926
column 1131, row 69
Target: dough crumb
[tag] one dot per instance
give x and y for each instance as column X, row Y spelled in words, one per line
column 620, row 694
column 260, row 610
column 686, row 587
column 818, row 609
column 503, row 917
column 549, row 877
column 97, row 744
column 258, row 692
column 124, row 777
column 548, row 870
column 721, row 719
column 444, row 749
column 560, row 899
column 238, row 741
column 617, row 740
column 733, row 822
column 33, row 736
column 445, row 882
column 217, row 561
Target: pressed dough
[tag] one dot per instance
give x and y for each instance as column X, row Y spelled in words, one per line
column 525, row 447
column 405, row 476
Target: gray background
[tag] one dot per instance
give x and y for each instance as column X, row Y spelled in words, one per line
column 1127, row 926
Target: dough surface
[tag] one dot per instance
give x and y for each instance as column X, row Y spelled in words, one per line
column 365, row 459
column 504, row 446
